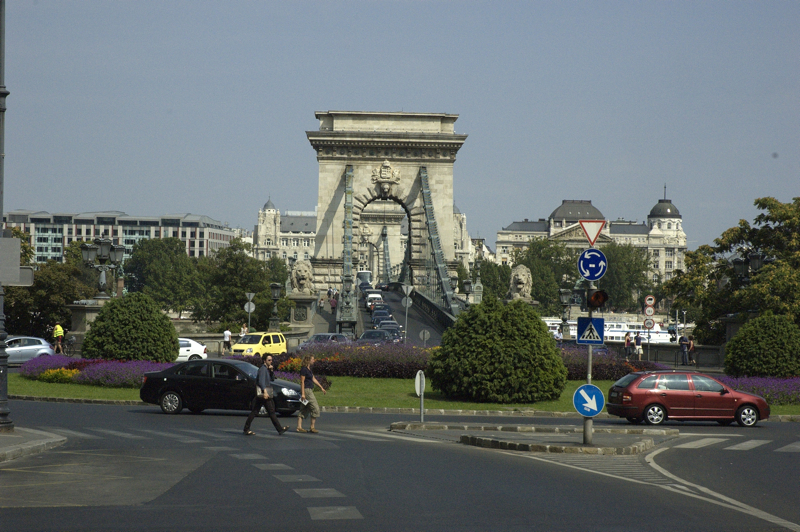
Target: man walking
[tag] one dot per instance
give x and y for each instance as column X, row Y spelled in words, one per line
column 684, row 343
column 226, row 340
column 637, row 342
column 264, row 398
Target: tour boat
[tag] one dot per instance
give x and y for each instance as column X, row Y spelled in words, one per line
column 615, row 331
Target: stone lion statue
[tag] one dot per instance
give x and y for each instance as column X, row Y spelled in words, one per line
column 303, row 278
column 521, row 282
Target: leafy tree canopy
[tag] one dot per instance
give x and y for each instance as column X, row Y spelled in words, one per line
column 161, row 269
column 628, row 279
column 710, row 288
column 494, row 278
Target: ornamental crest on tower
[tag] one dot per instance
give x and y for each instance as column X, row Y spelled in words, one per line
column 385, row 177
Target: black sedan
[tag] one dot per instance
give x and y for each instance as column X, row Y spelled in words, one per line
column 213, row 384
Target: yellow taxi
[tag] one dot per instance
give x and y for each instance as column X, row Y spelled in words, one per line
column 260, row 343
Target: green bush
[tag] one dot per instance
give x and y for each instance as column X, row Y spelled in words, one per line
column 767, row 346
column 131, row 328
column 498, row 353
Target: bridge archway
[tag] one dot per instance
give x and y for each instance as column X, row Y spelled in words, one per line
column 387, row 152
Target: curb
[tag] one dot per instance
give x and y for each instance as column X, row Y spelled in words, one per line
column 495, row 443
column 47, row 441
column 377, row 410
column 530, row 428
column 635, row 448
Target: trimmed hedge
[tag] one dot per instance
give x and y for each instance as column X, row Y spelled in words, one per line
column 767, row 346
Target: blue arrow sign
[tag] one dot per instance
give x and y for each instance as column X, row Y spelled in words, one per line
column 592, row 264
column 588, row 400
column 590, row 331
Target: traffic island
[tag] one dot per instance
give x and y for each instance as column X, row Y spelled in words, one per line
column 529, row 438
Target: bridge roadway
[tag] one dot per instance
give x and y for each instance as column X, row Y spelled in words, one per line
column 417, row 320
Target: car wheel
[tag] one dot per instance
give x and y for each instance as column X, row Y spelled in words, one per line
column 194, row 357
column 171, row 403
column 195, row 410
column 634, row 420
column 655, row 414
column 724, row 422
column 747, row 416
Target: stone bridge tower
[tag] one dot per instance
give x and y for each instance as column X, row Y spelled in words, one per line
column 386, row 152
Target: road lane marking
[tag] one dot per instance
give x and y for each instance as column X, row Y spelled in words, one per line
column 791, row 448
column 208, row 433
column 273, row 467
column 179, row 437
column 703, row 442
column 118, row 433
column 322, row 513
column 726, row 435
column 319, row 493
column 747, row 445
column 351, row 436
column 296, row 478
column 724, row 501
column 249, row 456
column 72, row 433
column 393, row 436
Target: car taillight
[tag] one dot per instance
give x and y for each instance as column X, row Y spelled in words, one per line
column 626, row 398
column 144, row 379
column 205, row 350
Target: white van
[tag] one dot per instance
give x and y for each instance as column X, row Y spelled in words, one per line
column 371, row 298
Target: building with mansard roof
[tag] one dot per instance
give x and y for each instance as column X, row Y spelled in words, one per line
column 662, row 234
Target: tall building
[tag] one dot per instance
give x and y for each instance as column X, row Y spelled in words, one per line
column 50, row 234
column 288, row 236
column 662, row 235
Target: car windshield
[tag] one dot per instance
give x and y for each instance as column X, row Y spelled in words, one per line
column 626, row 380
column 250, row 339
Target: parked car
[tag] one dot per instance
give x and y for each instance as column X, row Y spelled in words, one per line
column 23, row 348
column 375, row 337
column 190, row 350
column 324, row 338
column 656, row 396
column 213, row 384
column 260, row 343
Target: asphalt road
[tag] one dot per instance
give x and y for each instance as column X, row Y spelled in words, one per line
column 134, row 468
column 417, row 320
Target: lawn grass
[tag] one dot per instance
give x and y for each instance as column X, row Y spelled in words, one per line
column 344, row 391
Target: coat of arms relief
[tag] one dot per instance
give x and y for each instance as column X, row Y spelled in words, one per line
column 385, row 177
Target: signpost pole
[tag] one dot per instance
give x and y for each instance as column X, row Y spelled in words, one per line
column 587, row 421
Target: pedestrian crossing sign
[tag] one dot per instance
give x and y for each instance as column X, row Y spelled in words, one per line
column 590, row 331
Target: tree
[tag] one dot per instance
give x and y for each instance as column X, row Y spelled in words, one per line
column 34, row 310
column 767, row 346
column 552, row 266
column 161, row 269
column 710, row 288
column 498, row 353
column 224, row 279
column 132, row 328
column 627, row 279
column 494, row 278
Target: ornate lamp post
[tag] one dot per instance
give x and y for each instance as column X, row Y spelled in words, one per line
column 104, row 252
column 347, row 318
column 274, row 322
column 565, row 295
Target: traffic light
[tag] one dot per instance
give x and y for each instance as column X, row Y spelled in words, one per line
column 596, row 298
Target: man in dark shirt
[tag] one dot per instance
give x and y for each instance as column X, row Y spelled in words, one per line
column 684, row 344
column 264, row 397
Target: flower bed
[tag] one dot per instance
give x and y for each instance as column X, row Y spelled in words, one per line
column 391, row 361
column 605, row 366
column 774, row 390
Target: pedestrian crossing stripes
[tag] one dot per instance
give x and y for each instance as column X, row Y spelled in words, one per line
column 747, row 445
column 697, row 444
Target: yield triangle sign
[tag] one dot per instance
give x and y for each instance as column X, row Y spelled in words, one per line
column 592, row 228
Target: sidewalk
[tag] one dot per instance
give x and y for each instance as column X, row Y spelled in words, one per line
column 24, row 442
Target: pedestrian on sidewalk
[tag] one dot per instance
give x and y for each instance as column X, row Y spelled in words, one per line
column 310, row 405
column 226, row 340
column 691, row 351
column 637, row 342
column 264, row 397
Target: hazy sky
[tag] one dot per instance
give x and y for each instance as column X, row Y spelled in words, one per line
column 188, row 106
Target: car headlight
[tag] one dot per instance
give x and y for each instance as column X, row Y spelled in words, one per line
column 288, row 392
column 248, row 350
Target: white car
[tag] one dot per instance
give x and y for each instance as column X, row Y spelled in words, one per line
column 23, row 348
column 190, row 350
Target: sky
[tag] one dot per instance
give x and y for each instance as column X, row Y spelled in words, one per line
column 199, row 106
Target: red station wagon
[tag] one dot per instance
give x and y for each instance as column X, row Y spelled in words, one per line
column 655, row 396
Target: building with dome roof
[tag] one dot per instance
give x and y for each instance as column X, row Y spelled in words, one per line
column 662, row 235
column 290, row 235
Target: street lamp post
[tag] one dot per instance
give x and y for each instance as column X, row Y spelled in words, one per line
column 107, row 254
column 467, row 290
column 565, row 295
column 274, row 322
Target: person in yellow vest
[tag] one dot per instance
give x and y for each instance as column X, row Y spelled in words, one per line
column 58, row 337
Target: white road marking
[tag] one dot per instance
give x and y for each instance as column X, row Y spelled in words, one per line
column 791, row 448
column 747, row 445
column 118, row 433
column 703, row 442
column 180, row 437
column 73, row 433
column 394, row 436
